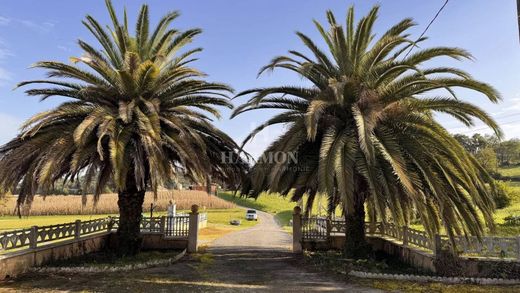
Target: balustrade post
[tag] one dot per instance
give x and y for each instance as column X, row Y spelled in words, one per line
column 163, row 225
column 33, row 237
column 405, row 235
column 372, row 228
column 297, row 230
column 518, row 248
column 77, row 229
column 329, row 226
column 110, row 224
column 193, row 229
column 437, row 244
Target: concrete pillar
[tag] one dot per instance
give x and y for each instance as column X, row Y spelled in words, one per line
column 110, row 223
column 77, row 229
column 405, row 235
column 372, row 228
column 518, row 248
column 193, row 231
column 33, row 237
column 163, row 225
column 437, row 244
column 297, row 230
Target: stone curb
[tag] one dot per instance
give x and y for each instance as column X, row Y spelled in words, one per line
column 424, row 279
column 94, row 270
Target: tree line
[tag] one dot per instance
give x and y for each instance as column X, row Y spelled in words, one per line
column 490, row 151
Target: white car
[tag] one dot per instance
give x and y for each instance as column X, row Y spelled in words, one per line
column 251, row 215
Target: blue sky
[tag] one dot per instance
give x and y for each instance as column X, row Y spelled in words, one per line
column 241, row 36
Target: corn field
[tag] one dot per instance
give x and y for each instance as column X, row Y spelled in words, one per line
column 107, row 204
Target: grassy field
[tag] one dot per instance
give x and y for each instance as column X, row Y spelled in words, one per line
column 218, row 223
column 216, row 218
column 280, row 207
column 512, row 171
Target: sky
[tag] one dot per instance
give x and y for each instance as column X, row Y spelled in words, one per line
column 239, row 37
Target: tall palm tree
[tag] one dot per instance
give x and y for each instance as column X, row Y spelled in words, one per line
column 365, row 132
column 138, row 115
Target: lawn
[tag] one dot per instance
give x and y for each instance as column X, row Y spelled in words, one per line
column 14, row 223
column 511, row 171
column 217, row 218
column 218, row 223
column 280, row 207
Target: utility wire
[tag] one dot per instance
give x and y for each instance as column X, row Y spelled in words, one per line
column 430, row 24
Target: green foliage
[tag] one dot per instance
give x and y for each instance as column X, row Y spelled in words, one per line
column 365, row 129
column 508, row 152
column 136, row 109
column 503, row 195
column 488, row 159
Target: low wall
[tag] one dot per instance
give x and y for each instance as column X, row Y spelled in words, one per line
column 470, row 266
column 154, row 241
column 414, row 257
column 407, row 255
column 15, row 263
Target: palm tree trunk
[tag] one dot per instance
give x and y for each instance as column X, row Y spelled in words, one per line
column 356, row 245
column 130, row 202
column 208, row 185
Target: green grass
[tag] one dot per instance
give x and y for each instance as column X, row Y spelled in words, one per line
column 14, row 223
column 512, row 171
column 223, row 216
column 280, row 207
column 215, row 216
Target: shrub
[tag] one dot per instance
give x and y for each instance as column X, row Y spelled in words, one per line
column 503, row 194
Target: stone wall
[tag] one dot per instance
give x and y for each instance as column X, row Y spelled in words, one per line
column 407, row 255
column 470, row 267
column 15, row 263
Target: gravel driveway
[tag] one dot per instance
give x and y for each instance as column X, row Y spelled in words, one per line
column 266, row 235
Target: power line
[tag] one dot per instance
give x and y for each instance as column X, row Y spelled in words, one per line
column 430, row 24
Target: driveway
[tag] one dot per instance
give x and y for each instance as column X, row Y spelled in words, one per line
column 257, row 259
column 266, row 235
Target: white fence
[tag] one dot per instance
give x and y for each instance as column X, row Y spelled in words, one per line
column 320, row 229
column 175, row 227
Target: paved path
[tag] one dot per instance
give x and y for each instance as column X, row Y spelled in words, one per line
column 260, row 259
column 257, row 259
column 266, row 235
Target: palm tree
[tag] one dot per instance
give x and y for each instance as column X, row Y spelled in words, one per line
column 365, row 132
column 138, row 115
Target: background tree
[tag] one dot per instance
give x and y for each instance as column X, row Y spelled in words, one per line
column 365, row 132
column 488, row 159
column 137, row 115
column 508, row 152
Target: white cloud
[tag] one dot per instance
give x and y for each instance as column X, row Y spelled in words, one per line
column 43, row 27
column 9, row 129
column 64, row 48
column 4, row 20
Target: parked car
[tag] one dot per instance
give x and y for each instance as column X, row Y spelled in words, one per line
column 251, row 215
